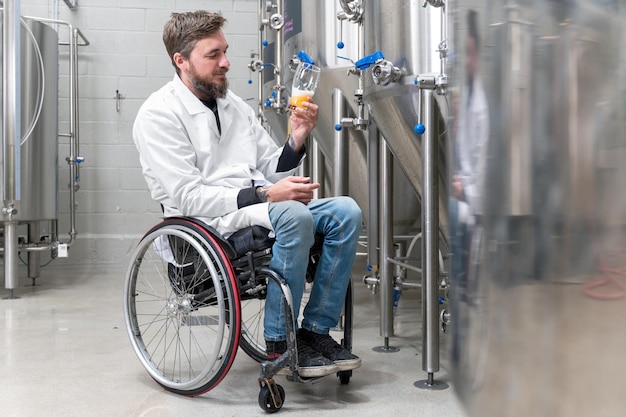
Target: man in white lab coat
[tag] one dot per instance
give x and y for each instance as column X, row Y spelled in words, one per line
column 468, row 187
column 205, row 155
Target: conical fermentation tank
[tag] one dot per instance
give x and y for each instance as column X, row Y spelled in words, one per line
column 313, row 27
column 408, row 34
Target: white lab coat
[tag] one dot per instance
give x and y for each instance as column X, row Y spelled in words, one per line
column 194, row 171
column 472, row 137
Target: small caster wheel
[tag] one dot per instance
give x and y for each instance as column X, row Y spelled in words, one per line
column 344, row 377
column 266, row 401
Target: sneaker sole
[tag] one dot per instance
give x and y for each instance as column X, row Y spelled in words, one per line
column 317, row 371
column 348, row 365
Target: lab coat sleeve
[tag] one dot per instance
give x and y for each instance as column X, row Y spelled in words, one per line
column 474, row 188
column 168, row 161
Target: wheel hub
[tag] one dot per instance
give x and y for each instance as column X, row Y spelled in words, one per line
column 179, row 307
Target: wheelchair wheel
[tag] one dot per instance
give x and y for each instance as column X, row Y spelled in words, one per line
column 181, row 305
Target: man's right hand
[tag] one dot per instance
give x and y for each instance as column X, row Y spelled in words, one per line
column 291, row 188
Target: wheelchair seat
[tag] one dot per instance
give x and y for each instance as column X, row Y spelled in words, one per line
column 250, row 239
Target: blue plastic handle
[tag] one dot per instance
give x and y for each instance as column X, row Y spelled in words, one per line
column 304, row 57
column 368, row 60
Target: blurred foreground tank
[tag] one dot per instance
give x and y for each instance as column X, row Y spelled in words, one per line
column 539, row 272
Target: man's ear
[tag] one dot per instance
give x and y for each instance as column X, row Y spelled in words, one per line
column 180, row 61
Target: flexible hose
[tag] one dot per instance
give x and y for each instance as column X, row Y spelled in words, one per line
column 610, row 275
column 610, row 278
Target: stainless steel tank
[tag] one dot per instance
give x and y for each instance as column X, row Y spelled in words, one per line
column 39, row 122
column 314, row 28
column 538, row 278
column 408, row 34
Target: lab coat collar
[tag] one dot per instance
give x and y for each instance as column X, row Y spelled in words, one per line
column 189, row 100
column 226, row 118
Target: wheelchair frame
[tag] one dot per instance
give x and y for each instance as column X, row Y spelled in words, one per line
column 183, row 296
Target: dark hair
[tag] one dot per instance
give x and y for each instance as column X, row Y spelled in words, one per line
column 472, row 24
column 184, row 30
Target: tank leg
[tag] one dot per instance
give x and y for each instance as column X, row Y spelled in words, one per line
column 11, row 278
column 430, row 250
column 386, row 251
column 34, row 257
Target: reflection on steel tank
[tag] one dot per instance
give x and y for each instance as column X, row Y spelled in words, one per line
column 538, row 208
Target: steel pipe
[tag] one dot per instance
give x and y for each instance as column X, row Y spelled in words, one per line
column 373, row 181
column 11, row 277
column 279, row 59
column 317, row 169
column 340, row 164
column 11, row 135
column 34, row 257
column 386, row 242
column 430, row 241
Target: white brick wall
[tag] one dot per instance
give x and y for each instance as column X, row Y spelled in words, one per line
column 125, row 53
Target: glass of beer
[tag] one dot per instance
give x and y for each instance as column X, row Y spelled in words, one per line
column 304, row 84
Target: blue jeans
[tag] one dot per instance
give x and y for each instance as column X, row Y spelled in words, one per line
column 295, row 225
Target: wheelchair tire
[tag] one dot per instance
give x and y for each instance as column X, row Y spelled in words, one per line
column 181, row 306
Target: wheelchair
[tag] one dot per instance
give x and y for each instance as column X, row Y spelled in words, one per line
column 192, row 298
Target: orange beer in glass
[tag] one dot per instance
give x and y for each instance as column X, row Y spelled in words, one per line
column 304, row 84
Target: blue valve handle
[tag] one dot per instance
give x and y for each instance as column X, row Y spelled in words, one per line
column 368, row 60
column 304, row 57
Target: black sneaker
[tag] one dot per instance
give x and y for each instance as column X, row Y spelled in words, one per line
column 330, row 349
column 311, row 364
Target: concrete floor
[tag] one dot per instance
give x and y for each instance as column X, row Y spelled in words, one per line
column 64, row 351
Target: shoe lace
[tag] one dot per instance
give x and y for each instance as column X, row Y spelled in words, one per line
column 327, row 343
column 305, row 349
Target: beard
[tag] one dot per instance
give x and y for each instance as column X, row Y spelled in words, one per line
column 207, row 89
